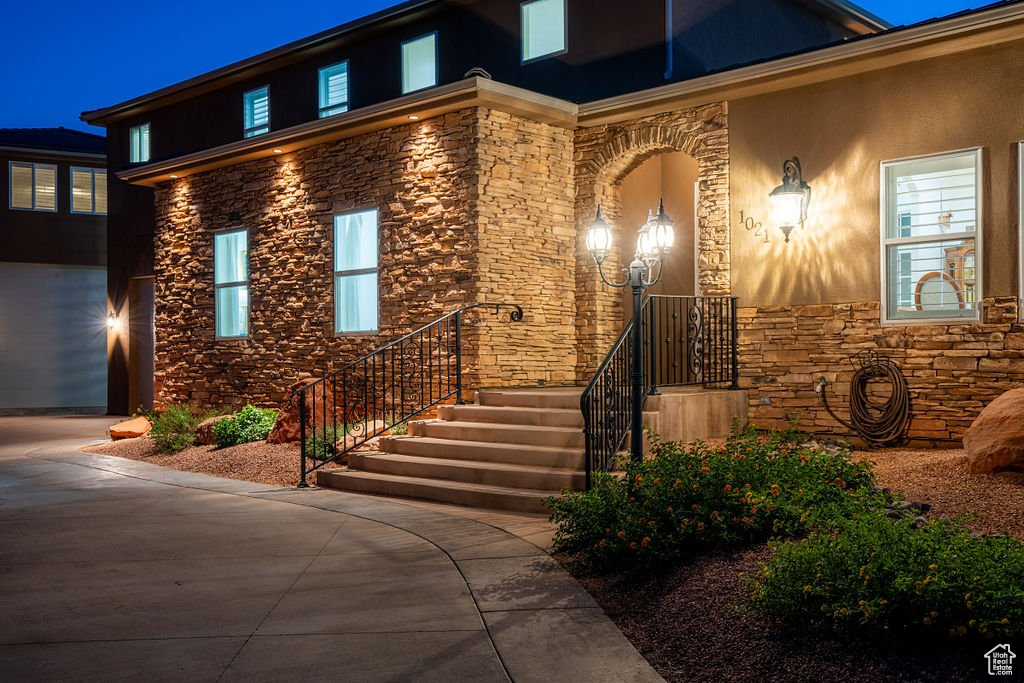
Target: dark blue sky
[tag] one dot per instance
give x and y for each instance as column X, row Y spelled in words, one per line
column 60, row 58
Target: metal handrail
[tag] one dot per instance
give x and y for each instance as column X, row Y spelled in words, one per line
column 688, row 340
column 384, row 388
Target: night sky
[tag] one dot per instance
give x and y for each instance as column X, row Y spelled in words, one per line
column 61, row 58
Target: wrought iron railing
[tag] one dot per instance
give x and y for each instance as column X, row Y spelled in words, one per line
column 687, row 341
column 385, row 388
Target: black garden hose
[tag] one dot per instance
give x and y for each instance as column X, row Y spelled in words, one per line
column 879, row 423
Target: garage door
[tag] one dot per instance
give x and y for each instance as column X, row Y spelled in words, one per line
column 53, row 337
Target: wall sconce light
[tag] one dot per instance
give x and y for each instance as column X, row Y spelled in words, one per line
column 113, row 322
column 790, row 199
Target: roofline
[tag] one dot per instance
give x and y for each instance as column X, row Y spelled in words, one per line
column 46, row 151
column 925, row 40
column 106, row 115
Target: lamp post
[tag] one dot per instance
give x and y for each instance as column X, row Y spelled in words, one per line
column 654, row 241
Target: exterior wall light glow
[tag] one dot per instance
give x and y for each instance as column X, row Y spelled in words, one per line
column 113, row 322
column 790, row 199
column 654, row 241
column 277, row 151
column 413, row 117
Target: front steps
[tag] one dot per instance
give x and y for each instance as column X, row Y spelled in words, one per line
column 514, row 448
column 509, row 451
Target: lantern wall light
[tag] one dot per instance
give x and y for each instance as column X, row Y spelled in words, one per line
column 790, row 199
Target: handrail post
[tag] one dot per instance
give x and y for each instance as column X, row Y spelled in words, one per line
column 587, row 447
column 652, row 346
column 735, row 345
column 302, row 435
column 458, row 358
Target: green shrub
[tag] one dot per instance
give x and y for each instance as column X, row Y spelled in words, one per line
column 690, row 498
column 322, row 444
column 875, row 578
column 247, row 425
column 175, row 428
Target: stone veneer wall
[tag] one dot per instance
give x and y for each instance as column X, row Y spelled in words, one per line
column 460, row 209
column 604, row 156
column 953, row 370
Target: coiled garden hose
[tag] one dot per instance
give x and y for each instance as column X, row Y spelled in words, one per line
column 879, row 423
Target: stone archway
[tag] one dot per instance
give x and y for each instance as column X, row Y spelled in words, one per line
column 607, row 154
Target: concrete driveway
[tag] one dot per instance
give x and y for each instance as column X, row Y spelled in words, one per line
column 113, row 569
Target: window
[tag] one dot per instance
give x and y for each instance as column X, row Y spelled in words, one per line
column 33, row 186
column 931, row 229
column 334, row 89
column 543, row 28
column 257, row 112
column 355, row 272
column 88, row 190
column 419, row 63
column 231, row 282
column 138, row 142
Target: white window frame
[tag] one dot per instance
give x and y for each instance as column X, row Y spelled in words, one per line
column 33, row 166
column 437, row 64
column 326, row 109
column 1020, row 228
column 137, row 153
column 356, row 271
column 977, row 236
column 227, row 285
column 92, row 171
column 262, row 128
column 522, row 33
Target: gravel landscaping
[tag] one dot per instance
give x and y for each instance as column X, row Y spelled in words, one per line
column 692, row 624
column 276, row 464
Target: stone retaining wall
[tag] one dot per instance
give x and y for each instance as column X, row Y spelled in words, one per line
column 953, row 370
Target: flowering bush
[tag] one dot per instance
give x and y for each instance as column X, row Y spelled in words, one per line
column 874, row 577
column 689, row 498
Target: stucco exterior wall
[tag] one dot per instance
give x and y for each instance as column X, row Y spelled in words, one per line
column 842, row 130
column 464, row 200
column 808, row 306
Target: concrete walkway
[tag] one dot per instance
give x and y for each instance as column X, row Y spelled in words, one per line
column 112, row 569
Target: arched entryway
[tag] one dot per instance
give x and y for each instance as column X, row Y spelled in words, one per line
column 606, row 156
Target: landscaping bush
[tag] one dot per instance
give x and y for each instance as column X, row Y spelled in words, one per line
column 175, row 428
column 248, row 424
column 689, row 498
column 878, row 578
column 322, row 445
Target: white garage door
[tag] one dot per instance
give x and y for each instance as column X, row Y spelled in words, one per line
column 53, row 337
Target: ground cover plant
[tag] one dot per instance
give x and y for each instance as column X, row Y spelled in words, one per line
column 879, row 578
column 247, row 425
column 175, row 428
column 690, row 498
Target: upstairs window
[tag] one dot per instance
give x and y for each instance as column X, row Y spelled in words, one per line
column 138, row 143
column 256, row 120
column 930, row 237
column 231, row 283
column 334, row 89
column 543, row 28
column 355, row 272
column 33, row 186
column 419, row 63
column 88, row 190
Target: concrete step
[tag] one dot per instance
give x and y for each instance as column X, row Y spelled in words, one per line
column 564, row 399
column 458, row 493
column 539, row 417
column 525, row 435
column 467, row 471
column 449, row 449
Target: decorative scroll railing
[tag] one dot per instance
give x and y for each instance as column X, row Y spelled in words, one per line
column 386, row 388
column 687, row 341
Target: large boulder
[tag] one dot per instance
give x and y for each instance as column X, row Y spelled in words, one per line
column 288, row 428
column 130, row 429
column 995, row 442
column 204, row 432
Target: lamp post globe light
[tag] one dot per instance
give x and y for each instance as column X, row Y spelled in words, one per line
column 654, row 241
column 790, row 199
